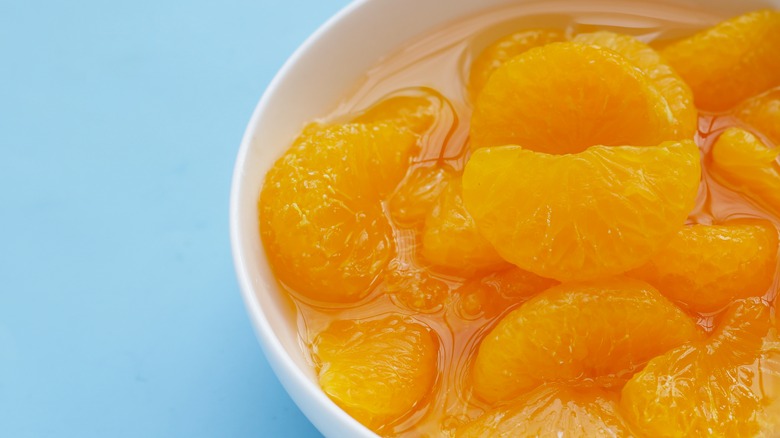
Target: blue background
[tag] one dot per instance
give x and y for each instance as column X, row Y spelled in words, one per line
column 120, row 314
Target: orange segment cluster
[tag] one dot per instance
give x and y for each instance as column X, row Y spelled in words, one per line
column 556, row 266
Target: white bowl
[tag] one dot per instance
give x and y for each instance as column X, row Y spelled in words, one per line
column 315, row 77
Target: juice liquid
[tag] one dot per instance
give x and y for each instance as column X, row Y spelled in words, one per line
column 441, row 60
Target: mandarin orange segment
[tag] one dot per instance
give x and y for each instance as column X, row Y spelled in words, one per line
column 490, row 295
column 564, row 97
column 418, row 193
column 321, row 220
column 415, row 109
column 377, row 371
column 744, row 163
column 504, row 49
column 706, row 267
column 450, row 237
column 581, row 216
column 604, row 330
column 763, row 113
column 717, row 387
column 731, row 61
column 553, row 411
column 676, row 92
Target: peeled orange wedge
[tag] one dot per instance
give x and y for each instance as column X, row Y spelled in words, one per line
column 320, row 210
column 379, row 370
column 564, row 97
column 730, row 62
column 603, row 330
column 581, row 216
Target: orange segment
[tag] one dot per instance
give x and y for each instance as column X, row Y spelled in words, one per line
column 450, row 237
column 377, row 371
column 763, row 113
column 538, row 101
column 731, row 61
column 504, row 49
column 417, row 194
column 676, row 92
column 320, row 215
column 553, row 411
column 603, row 330
column 708, row 266
column 581, row 216
column 717, row 387
column 490, row 295
column 742, row 162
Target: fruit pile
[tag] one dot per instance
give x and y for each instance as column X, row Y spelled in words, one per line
column 602, row 305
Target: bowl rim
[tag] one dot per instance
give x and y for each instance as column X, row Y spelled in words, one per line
column 293, row 379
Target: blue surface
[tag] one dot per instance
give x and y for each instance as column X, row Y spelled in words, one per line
column 120, row 315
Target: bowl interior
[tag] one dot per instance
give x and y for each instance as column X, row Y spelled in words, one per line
column 323, row 70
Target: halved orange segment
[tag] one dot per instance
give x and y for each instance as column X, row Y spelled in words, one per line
column 676, row 92
column 321, row 220
column 603, row 330
column 721, row 386
column 744, row 163
column 763, row 113
column 564, row 97
column 731, row 61
column 706, row 267
column 450, row 237
column 378, row 371
column 581, row 216
column 553, row 411
column 417, row 194
column 502, row 50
